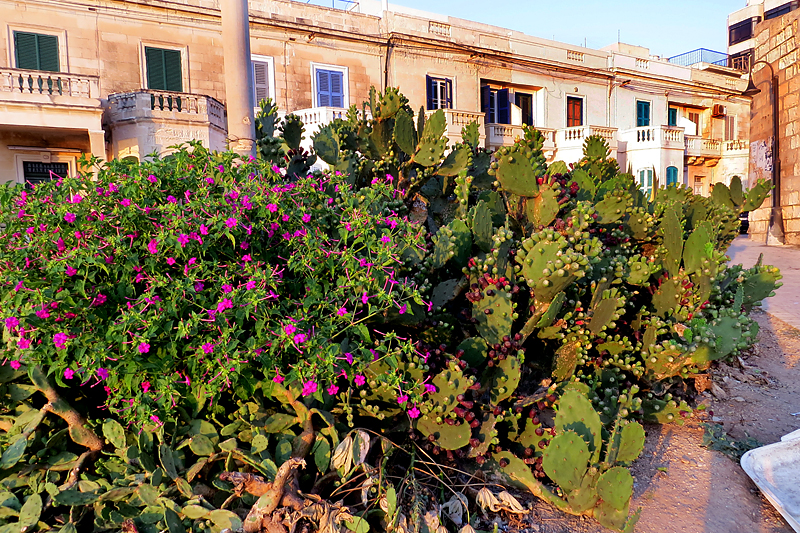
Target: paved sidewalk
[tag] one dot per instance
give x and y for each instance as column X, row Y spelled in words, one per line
column 785, row 305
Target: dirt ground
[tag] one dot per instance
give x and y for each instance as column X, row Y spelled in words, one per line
column 683, row 487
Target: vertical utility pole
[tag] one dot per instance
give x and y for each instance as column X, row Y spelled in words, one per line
column 238, row 76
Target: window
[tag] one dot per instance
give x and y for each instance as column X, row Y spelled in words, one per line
column 646, row 181
column 574, row 111
column 695, row 117
column 672, row 175
column 494, row 104
column 163, row 69
column 263, row 79
column 440, row 93
column 730, row 128
column 329, row 86
column 780, row 10
column 525, row 102
column 642, row 113
column 698, row 185
column 741, row 31
column 35, row 172
column 35, row 51
column 672, row 120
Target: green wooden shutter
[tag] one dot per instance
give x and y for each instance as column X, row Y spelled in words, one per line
column 172, row 71
column 642, row 113
column 154, row 59
column 25, row 50
column 48, row 52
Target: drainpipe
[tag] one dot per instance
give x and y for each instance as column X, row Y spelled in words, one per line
column 238, row 76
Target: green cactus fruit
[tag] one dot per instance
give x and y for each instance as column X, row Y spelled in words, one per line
column 494, row 314
column 722, row 196
column 114, row 433
column 326, row 145
column 613, row 207
column 596, row 147
column 640, row 223
column 640, row 270
column 611, row 517
column 475, row 349
column 429, row 153
column 434, row 128
column 615, row 487
column 389, row 103
column 514, row 171
column 292, row 131
column 585, row 497
column 446, row 291
column 576, row 413
column 586, row 186
column 485, row 434
column 630, row 442
column 557, row 167
column 504, row 379
column 565, row 361
column 697, row 252
column 482, row 230
column 404, row 133
column 449, row 383
column 543, row 208
column 549, row 264
column 566, row 460
column 447, row 437
column 470, row 134
column 456, row 161
column 756, row 196
column 737, row 192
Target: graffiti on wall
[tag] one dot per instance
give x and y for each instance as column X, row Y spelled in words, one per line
column 761, row 159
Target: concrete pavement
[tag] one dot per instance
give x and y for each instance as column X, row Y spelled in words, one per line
column 785, row 305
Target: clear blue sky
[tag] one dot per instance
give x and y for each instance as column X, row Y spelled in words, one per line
column 666, row 27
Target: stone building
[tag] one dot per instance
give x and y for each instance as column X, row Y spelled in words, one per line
column 774, row 42
column 128, row 78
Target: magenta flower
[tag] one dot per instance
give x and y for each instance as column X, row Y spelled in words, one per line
column 278, row 379
column 183, row 240
column 227, row 288
column 231, row 222
column 309, row 388
column 430, row 388
column 210, row 181
column 342, row 311
column 403, row 309
column 69, row 373
column 364, row 298
column 300, row 338
column 42, row 313
column 360, row 380
column 349, row 357
column 221, row 168
column 170, row 261
column 333, row 389
column 145, row 386
column 413, row 412
column 272, row 208
column 76, row 199
column 15, row 364
column 250, row 285
column 198, row 286
column 70, row 217
column 224, row 304
column 152, row 179
column 71, row 271
column 306, row 217
column 155, row 419
column 208, row 348
column 60, row 339
column 152, row 247
column 144, row 347
column 23, row 344
column 102, row 373
column 386, row 239
column 289, row 329
column 203, row 229
column 171, row 199
column 247, row 258
column 12, row 322
column 403, row 398
column 125, row 202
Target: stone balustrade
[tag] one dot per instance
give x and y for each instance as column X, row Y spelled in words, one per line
column 51, row 84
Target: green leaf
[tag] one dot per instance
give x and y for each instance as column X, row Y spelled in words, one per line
column 194, row 512
column 225, row 519
column 201, row 445
column 322, row 454
column 167, row 461
column 13, row 453
column 358, row 524
column 30, row 512
column 279, row 422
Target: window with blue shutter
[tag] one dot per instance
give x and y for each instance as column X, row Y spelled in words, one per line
column 525, row 103
column 35, row 51
column 672, row 175
column 164, row 71
column 672, row 120
column 495, row 105
column 642, row 113
column 330, row 88
column 439, row 93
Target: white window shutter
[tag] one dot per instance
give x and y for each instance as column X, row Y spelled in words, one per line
column 261, row 81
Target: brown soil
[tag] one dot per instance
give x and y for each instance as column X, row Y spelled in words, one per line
column 684, row 487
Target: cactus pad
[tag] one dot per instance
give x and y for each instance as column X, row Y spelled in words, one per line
column 494, row 314
column 756, row 196
column 613, row 207
column 448, row 437
column 292, row 131
column 404, row 133
column 456, row 161
column 615, row 487
column 566, row 460
column 505, row 379
column 631, row 442
column 565, row 361
column 514, row 171
column 549, row 264
column 389, row 103
column 543, row 207
column 576, row 413
column 482, row 230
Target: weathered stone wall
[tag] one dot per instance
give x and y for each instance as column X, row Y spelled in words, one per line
column 776, row 42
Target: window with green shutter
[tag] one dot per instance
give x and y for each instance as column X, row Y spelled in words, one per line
column 642, row 113
column 35, row 51
column 163, row 69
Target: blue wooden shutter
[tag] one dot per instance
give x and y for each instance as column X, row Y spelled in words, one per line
column 485, row 101
column 672, row 175
column 449, row 87
column 642, row 113
column 323, row 88
column 673, row 116
column 502, row 107
column 430, row 84
column 337, row 89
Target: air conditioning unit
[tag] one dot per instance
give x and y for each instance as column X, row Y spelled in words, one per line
column 719, row 110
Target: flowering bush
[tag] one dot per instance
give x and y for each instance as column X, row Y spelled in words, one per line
column 190, row 275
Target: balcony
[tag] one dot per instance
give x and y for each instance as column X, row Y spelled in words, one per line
column 653, row 137
column 457, row 120
column 146, row 121
column 735, row 148
column 34, row 98
column 570, row 141
column 498, row 135
column 700, row 151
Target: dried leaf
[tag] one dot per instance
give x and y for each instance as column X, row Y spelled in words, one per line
column 361, row 446
column 510, row 503
column 343, row 455
column 454, row 508
column 486, row 500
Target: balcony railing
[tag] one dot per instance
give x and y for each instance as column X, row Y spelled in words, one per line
column 502, row 134
column 37, row 82
column 315, row 117
column 456, row 119
column 697, row 146
column 653, row 137
column 166, row 105
column 735, row 147
column 575, row 136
